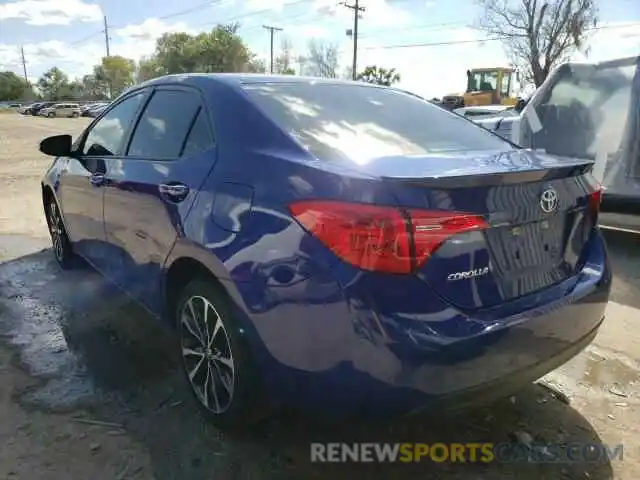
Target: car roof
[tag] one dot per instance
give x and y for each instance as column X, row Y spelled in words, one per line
column 236, row 80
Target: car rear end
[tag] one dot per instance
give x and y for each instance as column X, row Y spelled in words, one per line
column 469, row 267
column 73, row 110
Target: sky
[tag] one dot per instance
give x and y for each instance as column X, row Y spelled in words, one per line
column 70, row 33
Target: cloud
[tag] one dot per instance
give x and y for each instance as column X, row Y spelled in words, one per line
column 307, row 32
column 257, row 5
column 377, row 12
column 139, row 40
column 73, row 60
column 150, row 29
column 612, row 40
column 51, row 12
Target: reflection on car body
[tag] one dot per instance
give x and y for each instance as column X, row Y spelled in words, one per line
column 300, row 236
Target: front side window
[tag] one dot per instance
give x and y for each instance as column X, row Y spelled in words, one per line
column 487, row 81
column 505, row 88
column 361, row 123
column 106, row 136
column 164, row 124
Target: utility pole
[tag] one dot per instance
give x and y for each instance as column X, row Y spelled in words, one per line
column 24, row 65
column 272, row 30
column 106, row 34
column 356, row 15
column 106, row 43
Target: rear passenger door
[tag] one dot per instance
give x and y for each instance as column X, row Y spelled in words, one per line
column 149, row 192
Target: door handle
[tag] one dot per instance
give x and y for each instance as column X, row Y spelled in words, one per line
column 97, row 179
column 176, row 192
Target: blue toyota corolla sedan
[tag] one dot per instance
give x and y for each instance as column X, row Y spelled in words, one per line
column 331, row 245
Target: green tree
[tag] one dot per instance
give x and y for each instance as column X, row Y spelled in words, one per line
column 92, row 88
column 54, row 84
column 220, row 50
column 114, row 74
column 13, row 87
column 379, row 75
column 148, row 68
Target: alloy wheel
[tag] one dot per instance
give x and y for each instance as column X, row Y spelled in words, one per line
column 206, row 354
column 56, row 229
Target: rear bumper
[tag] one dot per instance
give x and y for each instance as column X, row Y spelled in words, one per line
column 514, row 381
column 336, row 348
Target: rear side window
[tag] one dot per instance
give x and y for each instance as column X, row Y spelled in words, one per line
column 164, row 125
column 199, row 138
column 360, row 123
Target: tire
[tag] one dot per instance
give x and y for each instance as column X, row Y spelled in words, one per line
column 75, row 115
column 62, row 249
column 51, row 114
column 226, row 364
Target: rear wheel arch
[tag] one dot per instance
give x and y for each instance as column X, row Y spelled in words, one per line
column 182, row 271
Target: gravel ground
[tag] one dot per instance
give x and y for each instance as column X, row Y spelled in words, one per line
column 89, row 390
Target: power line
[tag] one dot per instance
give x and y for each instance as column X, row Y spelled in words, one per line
column 286, row 21
column 179, row 13
column 247, row 15
column 432, row 26
column 480, row 40
column 272, row 31
column 356, row 15
column 84, row 39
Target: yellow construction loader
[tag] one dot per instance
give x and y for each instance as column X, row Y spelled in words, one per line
column 486, row 86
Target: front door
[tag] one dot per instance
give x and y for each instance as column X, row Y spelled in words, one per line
column 82, row 183
column 80, row 195
column 149, row 192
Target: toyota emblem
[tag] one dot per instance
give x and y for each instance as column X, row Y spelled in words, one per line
column 549, row 200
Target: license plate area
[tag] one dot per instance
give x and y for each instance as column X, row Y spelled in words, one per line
column 539, row 245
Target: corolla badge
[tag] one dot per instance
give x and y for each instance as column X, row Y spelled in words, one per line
column 478, row 272
column 549, row 200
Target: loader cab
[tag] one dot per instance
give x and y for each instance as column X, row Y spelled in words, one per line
column 497, row 83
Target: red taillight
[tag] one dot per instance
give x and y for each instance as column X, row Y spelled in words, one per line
column 595, row 198
column 432, row 229
column 383, row 239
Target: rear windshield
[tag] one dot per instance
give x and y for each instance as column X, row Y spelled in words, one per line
column 359, row 123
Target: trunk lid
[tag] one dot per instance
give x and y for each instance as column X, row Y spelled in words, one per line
column 536, row 208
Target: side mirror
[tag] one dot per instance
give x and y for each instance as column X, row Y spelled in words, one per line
column 520, row 105
column 57, row 146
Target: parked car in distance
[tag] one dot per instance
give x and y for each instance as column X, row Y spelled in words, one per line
column 61, row 110
column 25, row 109
column 86, row 109
column 302, row 237
column 96, row 111
column 483, row 111
column 34, row 108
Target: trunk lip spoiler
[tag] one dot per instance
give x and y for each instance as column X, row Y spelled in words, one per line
column 572, row 168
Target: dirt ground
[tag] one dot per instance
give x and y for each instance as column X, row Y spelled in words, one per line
column 88, row 391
